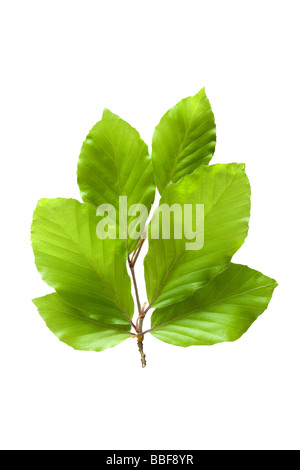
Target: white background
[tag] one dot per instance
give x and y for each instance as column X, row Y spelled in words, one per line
column 62, row 62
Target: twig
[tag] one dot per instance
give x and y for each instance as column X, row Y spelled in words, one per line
column 139, row 323
column 148, row 308
column 135, row 285
column 141, row 349
column 147, row 331
column 139, row 246
column 138, row 251
column 135, row 250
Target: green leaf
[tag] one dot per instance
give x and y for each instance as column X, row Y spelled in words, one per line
column 184, row 140
column 75, row 329
column 221, row 311
column 87, row 273
column 172, row 272
column 114, row 161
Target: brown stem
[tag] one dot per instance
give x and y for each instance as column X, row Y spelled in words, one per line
column 139, row 323
column 138, row 251
column 141, row 349
column 147, row 331
column 148, row 308
column 139, row 247
column 139, row 327
column 134, row 252
column 135, row 285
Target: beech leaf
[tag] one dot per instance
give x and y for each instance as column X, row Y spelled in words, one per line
column 173, row 272
column 184, row 140
column 113, row 162
column 74, row 328
column 221, row 311
column 87, row 273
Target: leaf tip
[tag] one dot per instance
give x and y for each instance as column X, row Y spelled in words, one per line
column 107, row 113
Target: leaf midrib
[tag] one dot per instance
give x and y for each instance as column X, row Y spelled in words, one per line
column 182, row 142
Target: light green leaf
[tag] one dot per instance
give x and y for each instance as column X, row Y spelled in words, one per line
column 184, row 140
column 73, row 328
column 221, row 311
column 114, row 161
column 88, row 273
column 172, row 272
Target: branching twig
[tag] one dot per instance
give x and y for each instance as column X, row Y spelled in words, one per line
column 147, row 309
column 135, row 285
column 147, row 331
column 139, row 323
column 138, row 251
column 139, row 246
